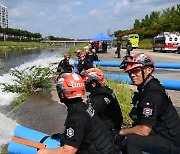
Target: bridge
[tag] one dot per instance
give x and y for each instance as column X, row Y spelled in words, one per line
column 51, row 42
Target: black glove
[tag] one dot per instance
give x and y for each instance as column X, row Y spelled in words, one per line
column 59, row 136
column 56, row 136
column 118, row 142
column 119, row 138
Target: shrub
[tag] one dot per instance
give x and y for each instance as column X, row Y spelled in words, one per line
column 29, row 80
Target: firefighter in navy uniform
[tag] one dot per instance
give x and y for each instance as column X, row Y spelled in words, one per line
column 84, row 63
column 103, row 100
column 84, row 132
column 156, row 127
column 64, row 65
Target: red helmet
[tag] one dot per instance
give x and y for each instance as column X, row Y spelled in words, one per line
column 71, row 85
column 136, row 60
column 93, row 74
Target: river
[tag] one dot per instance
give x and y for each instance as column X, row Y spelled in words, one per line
column 19, row 60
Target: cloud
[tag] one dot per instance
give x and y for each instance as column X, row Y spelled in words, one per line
column 15, row 12
column 22, row 11
column 79, row 18
column 41, row 14
column 75, row 3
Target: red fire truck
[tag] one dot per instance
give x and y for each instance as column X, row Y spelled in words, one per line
column 166, row 41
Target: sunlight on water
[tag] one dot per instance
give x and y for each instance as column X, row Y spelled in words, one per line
column 6, row 129
column 7, row 125
column 44, row 60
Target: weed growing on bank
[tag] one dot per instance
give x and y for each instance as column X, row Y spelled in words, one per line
column 124, row 95
column 19, row 100
column 28, row 81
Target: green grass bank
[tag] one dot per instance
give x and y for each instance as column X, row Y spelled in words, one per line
column 10, row 45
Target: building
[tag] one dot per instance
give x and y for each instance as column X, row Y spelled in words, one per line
column 3, row 16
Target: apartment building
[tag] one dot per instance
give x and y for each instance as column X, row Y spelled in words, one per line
column 3, row 16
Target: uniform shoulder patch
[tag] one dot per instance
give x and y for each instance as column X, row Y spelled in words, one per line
column 70, row 132
column 147, row 111
column 107, row 100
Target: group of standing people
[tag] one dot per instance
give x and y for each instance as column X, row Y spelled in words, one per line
column 99, row 46
column 119, row 48
column 95, row 126
column 85, row 60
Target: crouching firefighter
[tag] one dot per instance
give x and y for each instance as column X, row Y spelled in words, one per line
column 103, row 100
column 156, row 124
column 84, row 132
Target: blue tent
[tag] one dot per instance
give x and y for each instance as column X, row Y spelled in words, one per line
column 101, row 37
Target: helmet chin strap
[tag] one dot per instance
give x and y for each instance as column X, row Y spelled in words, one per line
column 143, row 77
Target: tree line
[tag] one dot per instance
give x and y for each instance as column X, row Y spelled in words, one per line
column 153, row 24
column 11, row 34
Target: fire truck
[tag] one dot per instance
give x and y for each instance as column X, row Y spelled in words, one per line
column 166, row 41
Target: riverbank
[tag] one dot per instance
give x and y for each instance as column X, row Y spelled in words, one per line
column 21, row 60
column 10, row 45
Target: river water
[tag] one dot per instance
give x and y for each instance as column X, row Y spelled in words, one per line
column 20, row 60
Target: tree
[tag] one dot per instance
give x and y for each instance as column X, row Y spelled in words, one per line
column 155, row 23
column 137, row 24
column 155, row 17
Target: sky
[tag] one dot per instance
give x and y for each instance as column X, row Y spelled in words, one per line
column 79, row 19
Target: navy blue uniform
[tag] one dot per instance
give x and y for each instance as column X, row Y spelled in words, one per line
column 107, row 108
column 85, row 131
column 64, row 66
column 84, row 65
column 153, row 107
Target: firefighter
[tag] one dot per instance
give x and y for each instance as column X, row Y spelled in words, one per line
column 64, row 65
column 84, row 132
column 103, row 100
column 83, row 63
column 156, row 125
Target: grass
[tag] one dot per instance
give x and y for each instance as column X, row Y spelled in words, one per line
column 145, row 44
column 124, row 95
column 10, row 45
column 72, row 50
column 21, row 99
